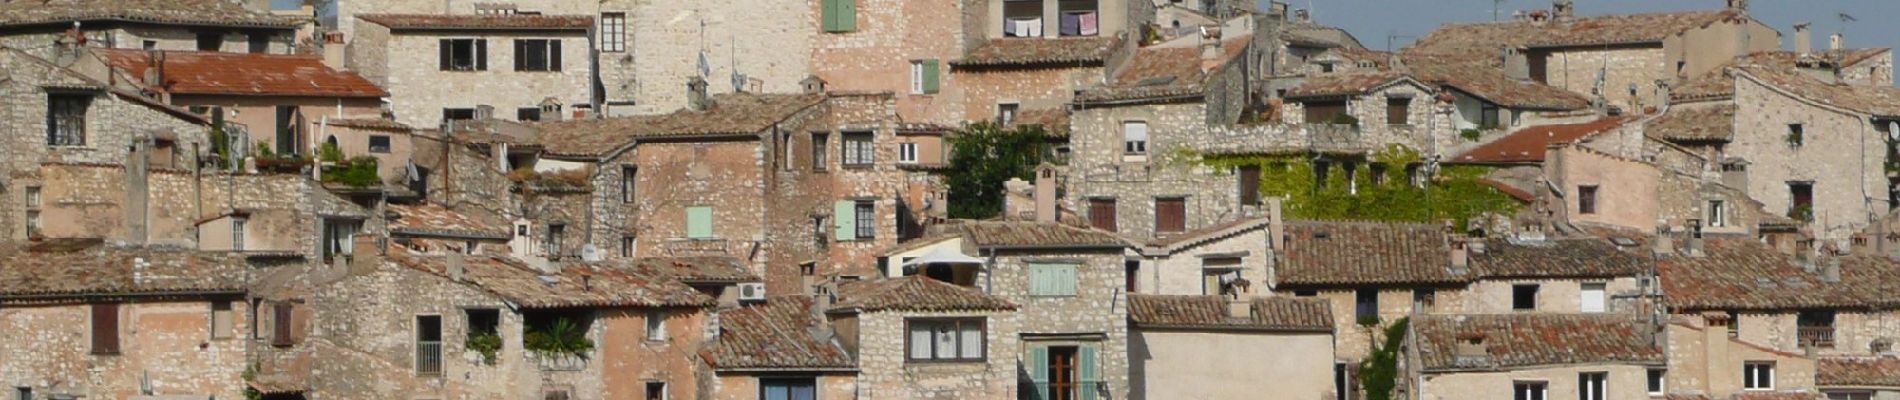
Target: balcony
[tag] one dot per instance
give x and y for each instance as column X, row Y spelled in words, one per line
column 1078, row 390
column 429, row 358
column 1816, row 336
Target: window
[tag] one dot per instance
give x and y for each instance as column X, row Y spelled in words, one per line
column 1135, row 137
column 1655, row 380
column 1397, row 110
column 907, row 153
column 1325, row 67
column 149, row 44
column 1594, row 298
column 1343, row 380
column 1006, row 113
column 105, row 329
column 924, row 75
column 1219, row 276
column 260, row 43
column 1305, row 293
column 626, row 246
column 552, row 393
column 656, row 325
column 1590, row 385
column 1132, row 275
column 840, row 15
column 1022, row 18
column 1734, row 323
column 66, row 119
column 1366, row 304
column 1523, row 390
column 289, row 130
column 1524, row 297
column 1797, row 135
column 628, row 176
column 428, row 344
column 656, row 391
column 613, row 32
column 1488, row 116
column 1801, row 200
column 818, row 147
column 525, row 114
column 210, row 41
column 1849, row 395
column 857, row 150
column 1587, row 199
column 699, row 222
column 1077, row 18
column 1415, row 175
column 1052, row 280
column 1758, row 375
column 237, row 232
column 463, row 55
column 458, row 114
column 865, row 213
column 1378, row 173
column 1321, row 168
column 537, row 54
column 1102, row 214
column 222, row 321
column 1423, row 299
column 944, row 339
column 1249, row 180
column 1170, row 215
column 339, row 237
column 1324, row 112
column 33, row 211
column 283, row 334
column 1718, row 213
column 787, row 156
column 379, row 144
column 552, row 242
column 788, row 388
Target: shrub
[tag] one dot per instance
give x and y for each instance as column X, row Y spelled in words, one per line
column 487, row 343
column 1471, row 134
column 562, row 336
column 1379, row 373
column 328, row 152
column 358, row 172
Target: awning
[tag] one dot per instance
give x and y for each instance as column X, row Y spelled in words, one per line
column 942, row 255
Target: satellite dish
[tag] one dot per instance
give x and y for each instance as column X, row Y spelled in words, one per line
column 589, row 253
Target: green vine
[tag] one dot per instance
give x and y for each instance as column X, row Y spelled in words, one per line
column 358, row 172
column 1379, row 373
column 1454, row 193
column 1471, row 134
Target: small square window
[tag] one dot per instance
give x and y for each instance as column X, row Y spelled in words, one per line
column 1006, row 113
column 907, row 153
column 1524, row 297
column 1758, row 375
column 1587, row 199
column 1656, row 381
column 379, row 144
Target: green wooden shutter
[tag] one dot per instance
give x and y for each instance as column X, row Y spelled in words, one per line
column 828, row 15
column 847, row 15
column 1085, row 357
column 1052, row 279
column 1065, row 279
column 930, row 76
column 699, row 224
column 1039, row 280
column 1039, row 371
column 844, row 215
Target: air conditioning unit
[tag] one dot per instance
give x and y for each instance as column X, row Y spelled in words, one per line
column 752, row 291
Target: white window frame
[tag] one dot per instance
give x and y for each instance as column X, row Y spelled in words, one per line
column 1006, row 112
column 1718, row 213
column 1657, row 378
column 1134, row 144
column 916, row 77
column 1593, row 385
column 1542, row 387
column 1749, row 370
column 907, row 153
column 656, row 326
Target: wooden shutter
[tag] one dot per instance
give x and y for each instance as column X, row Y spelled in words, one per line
column 1086, row 372
column 481, row 54
column 448, row 54
column 1170, row 215
column 1396, row 110
column 281, row 330
column 521, row 55
column 847, row 15
column 554, row 54
column 930, row 76
column 830, row 15
column 1323, row 112
column 1249, row 184
column 844, row 216
column 1039, row 370
column 699, row 224
column 105, row 328
column 1102, row 214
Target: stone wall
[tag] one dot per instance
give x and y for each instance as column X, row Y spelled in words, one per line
column 745, row 386
column 877, row 56
column 1854, row 331
column 1576, row 70
column 1182, row 271
column 168, row 343
column 768, row 43
column 1704, row 359
column 1626, row 190
column 1226, row 365
column 982, row 89
column 1554, row 296
column 419, row 90
column 1840, row 153
column 38, row 42
column 1099, row 306
column 1625, row 382
column 1353, row 341
column 884, row 372
column 1101, row 169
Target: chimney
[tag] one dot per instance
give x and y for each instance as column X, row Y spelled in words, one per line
column 1277, row 8
column 1694, row 249
column 366, row 252
column 334, row 55
column 1831, row 270
column 1803, row 39
column 456, row 266
column 1303, row 15
column 1046, row 193
column 696, row 97
column 1562, row 10
column 1471, row 347
column 813, row 84
column 1860, row 243
column 1738, row 5
column 1239, row 307
column 1539, row 17
column 1210, row 43
column 138, row 195
column 1834, row 41
column 1276, row 227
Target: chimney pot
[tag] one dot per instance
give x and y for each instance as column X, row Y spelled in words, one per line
column 697, row 98
column 1834, row 41
column 1803, row 39
column 1239, row 308
column 1046, row 193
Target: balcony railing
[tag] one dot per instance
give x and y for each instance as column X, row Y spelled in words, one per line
column 1817, row 336
column 429, row 358
column 1078, row 390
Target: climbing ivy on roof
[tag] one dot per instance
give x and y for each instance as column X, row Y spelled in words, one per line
column 1378, row 186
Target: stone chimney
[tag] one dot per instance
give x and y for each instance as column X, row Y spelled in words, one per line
column 696, row 97
column 1539, row 17
column 1471, row 347
column 1303, row 15
column 1834, row 41
column 1562, row 10
column 1460, row 247
column 1664, row 244
column 1276, row 227
column 456, row 266
column 366, row 252
column 1738, row 5
column 1239, row 307
column 1694, row 247
column 1803, row 39
column 334, row 55
column 1210, row 43
column 138, row 189
column 1045, row 196
column 1831, row 270
column 813, row 84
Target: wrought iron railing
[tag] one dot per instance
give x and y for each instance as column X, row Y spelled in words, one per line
column 1076, row 390
column 1817, row 336
column 429, row 358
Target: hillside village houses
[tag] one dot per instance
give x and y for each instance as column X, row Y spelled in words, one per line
column 639, row 200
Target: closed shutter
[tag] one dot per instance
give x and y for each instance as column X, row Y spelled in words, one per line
column 1249, row 185
column 1052, row 279
column 1085, row 357
column 1039, row 371
column 1594, row 300
column 481, row 54
column 447, row 52
column 554, row 55
column 1396, row 110
column 930, row 76
column 699, row 224
column 1170, row 215
column 521, row 55
column 830, row 14
column 282, row 333
column 1323, row 112
column 1102, row 214
column 844, row 215
column 105, row 328
column 847, row 15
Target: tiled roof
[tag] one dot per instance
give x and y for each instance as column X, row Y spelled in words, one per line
column 1510, row 190
column 68, row 269
column 88, row 83
column 1881, row 101
column 430, row 219
column 1528, row 145
column 1779, row 395
column 774, row 336
column 1694, row 124
column 1881, row 372
column 1006, row 234
column 1474, row 77
column 1743, row 273
column 1344, row 83
column 1054, row 120
column 1165, row 72
column 1532, row 340
column 576, row 285
column 184, row 12
column 1211, row 312
column 283, row 372
column 480, row 21
column 706, row 269
column 1556, row 258
column 1366, row 253
column 383, row 124
column 214, row 72
column 1037, row 51
column 1177, row 241
column 732, row 114
column 914, row 293
column 1486, row 39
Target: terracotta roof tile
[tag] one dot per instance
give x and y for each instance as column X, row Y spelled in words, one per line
column 733, row 114
column 1555, row 258
column 1528, row 145
column 706, row 269
column 430, row 219
column 1036, row 51
column 914, row 293
column 1211, row 312
column 1164, row 72
column 985, row 234
column 1692, row 123
column 1366, row 253
column 1474, row 77
column 480, row 21
column 575, row 285
column 1743, row 273
column 1345, row 83
column 70, row 269
column 192, row 12
column 383, row 124
column 1532, row 340
column 1510, row 190
column 774, row 336
column 1883, row 101
column 1858, row 372
column 1176, row 241
column 1486, row 39
column 1054, row 120
column 212, row 72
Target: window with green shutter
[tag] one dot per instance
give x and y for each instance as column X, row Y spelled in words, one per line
column 1089, row 377
column 1052, row 280
column 840, row 15
column 930, row 76
column 844, row 218
column 1039, row 370
column 699, row 222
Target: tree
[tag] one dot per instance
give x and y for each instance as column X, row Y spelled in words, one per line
column 1379, row 373
column 983, row 156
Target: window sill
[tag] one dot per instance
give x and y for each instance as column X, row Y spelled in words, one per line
column 945, row 362
column 858, row 166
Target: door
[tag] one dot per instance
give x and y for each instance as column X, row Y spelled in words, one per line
column 1594, row 299
column 1062, row 364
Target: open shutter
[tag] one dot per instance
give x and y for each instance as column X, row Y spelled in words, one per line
column 554, row 55
column 446, row 51
column 105, row 328
column 1086, row 371
column 481, row 54
column 844, row 215
column 1039, row 371
column 847, row 15
column 930, row 76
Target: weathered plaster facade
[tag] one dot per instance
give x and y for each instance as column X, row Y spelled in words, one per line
column 406, row 62
column 169, row 343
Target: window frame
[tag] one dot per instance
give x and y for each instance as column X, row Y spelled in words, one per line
column 907, row 152
column 229, row 313
column 548, row 50
column 982, row 330
column 1592, row 385
column 372, row 144
column 451, row 50
column 1006, row 112
column 613, row 32
column 629, row 183
column 1400, row 107
column 103, row 316
column 1521, row 390
column 1132, row 146
column 819, row 148
column 1750, row 372
column 1718, row 213
column 858, row 148
column 1517, row 303
column 652, row 334
column 1655, row 381
column 864, row 212
column 526, row 114
column 61, row 114
column 1587, row 199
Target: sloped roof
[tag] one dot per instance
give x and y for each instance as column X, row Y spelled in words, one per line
column 1881, row 372
column 1532, row 340
column 1528, row 145
column 575, row 285
column 732, row 114
column 1476, row 78
column 1486, row 39
column 1177, row 241
column 1366, row 253
column 1555, row 258
column 381, row 124
column 182, row 12
column 1054, row 120
column 430, row 219
column 1091, row 51
column 1345, row 83
column 914, row 293
column 1743, row 273
column 216, row 72
column 480, row 21
column 1162, row 72
column 774, row 336
column 1019, row 234
column 57, row 270
column 1881, row 101
column 1284, row 314
column 700, row 269
column 1711, row 123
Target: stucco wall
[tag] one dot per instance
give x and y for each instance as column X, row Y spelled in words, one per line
column 1625, row 382
column 1230, row 365
column 1626, row 193
column 419, row 89
column 1576, row 70
column 168, row 342
column 1182, row 272
column 1705, row 359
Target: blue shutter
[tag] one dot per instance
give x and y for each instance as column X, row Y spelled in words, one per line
column 1085, row 360
column 1039, row 371
column 1039, row 280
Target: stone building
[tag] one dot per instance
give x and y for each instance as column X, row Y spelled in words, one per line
column 785, row 349
column 1232, row 259
column 1704, row 361
column 1372, row 273
column 90, row 320
column 1530, row 356
column 441, row 68
column 203, row 25
column 894, row 47
column 1212, row 347
column 920, row 338
column 1027, row 58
